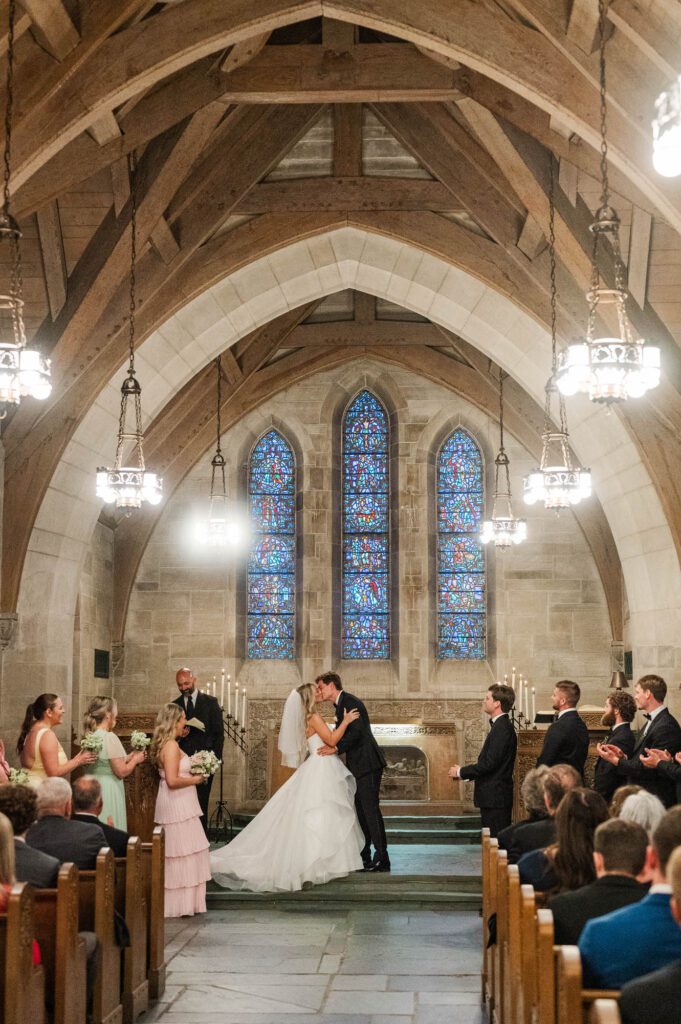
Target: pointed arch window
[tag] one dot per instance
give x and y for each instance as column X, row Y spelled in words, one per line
column 271, row 629
column 460, row 555
column 366, row 530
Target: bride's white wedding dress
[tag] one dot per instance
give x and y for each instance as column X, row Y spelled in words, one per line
column 307, row 832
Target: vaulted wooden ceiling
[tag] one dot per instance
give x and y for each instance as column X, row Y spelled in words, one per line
column 258, row 124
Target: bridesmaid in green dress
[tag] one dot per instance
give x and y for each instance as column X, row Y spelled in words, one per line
column 113, row 764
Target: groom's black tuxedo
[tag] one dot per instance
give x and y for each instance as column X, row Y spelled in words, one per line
column 364, row 758
column 493, row 775
column 207, row 710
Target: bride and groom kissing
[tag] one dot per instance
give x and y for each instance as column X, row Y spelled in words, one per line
column 323, row 822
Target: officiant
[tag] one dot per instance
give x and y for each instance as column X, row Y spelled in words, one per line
column 205, row 711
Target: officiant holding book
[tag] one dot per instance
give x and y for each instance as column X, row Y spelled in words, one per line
column 205, row 729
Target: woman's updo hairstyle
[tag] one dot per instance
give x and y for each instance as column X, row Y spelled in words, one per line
column 34, row 712
column 97, row 710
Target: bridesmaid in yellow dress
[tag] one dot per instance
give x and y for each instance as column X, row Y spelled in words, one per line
column 113, row 764
column 41, row 753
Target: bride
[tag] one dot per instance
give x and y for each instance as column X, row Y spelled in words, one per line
column 308, row 831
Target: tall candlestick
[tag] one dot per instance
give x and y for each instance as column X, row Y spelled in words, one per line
column 513, row 677
column 215, row 687
column 534, row 709
column 527, row 702
column 243, row 712
column 229, row 695
column 505, row 678
column 236, row 701
column 222, row 688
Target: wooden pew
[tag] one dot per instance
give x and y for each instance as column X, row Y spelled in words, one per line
column 545, row 969
column 573, row 1003
column 491, row 910
column 61, row 948
column 96, row 914
column 131, row 903
column 513, row 961
column 153, row 856
column 501, row 947
column 22, row 986
column 528, row 986
column 605, row 1011
column 485, row 914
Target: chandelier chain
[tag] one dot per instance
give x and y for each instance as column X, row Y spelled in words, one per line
column 218, row 363
column 9, row 105
column 602, row 28
column 132, row 165
column 16, row 286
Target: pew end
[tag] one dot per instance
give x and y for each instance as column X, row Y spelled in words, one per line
column 605, row 1011
column 56, row 929
column 131, row 902
column 22, row 986
column 96, row 914
column 153, row 854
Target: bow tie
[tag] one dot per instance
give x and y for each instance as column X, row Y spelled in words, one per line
column 647, row 716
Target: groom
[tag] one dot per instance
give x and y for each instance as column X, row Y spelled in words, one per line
column 365, row 760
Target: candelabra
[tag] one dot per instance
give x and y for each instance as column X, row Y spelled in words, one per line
column 221, row 822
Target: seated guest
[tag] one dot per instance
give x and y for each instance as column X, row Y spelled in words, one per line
column 619, row 712
column 535, row 835
column 56, row 834
column 620, row 796
column 87, row 806
column 4, row 765
column 641, row 938
column 643, row 808
column 619, row 856
column 568, row 864
column 7, row 875
column 659, row 990
column 19, row 804
column 532, row 795
column 567, row 739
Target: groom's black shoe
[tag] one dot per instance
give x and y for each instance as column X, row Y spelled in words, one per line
column 380, row 865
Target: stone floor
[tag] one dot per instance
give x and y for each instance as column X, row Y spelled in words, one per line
column 271, row 966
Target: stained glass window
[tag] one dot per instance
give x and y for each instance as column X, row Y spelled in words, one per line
column 460, row 558
column 272, row 562
column 366, row 542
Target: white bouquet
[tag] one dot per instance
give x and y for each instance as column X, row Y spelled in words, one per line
column 18, row 776
column 204, row 762
column 139, row 740
column 92, row 743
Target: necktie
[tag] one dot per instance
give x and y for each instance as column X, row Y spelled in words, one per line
column 190, row 708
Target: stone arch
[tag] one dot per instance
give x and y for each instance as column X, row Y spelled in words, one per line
column 344, row 258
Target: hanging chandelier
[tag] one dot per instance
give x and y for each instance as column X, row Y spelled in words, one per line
column 219, row 530
column 557, row 483
column 24, row 372
column 503, row 528
column 667, row 131
column 609, row 369
column 128, row 486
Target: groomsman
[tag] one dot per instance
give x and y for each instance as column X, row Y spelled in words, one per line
column 207, row 710
column 567, row 740
column 619, row 712
column 492, row 774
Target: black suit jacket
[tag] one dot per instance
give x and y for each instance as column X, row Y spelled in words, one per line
column 572, row 910
column 67, row 840
column 505, row 837
column 606, row 777
column 493, row 771
column 534, row 835
column 116, row 838
column 362, row 752
column 207, row 710
column 664, row 733
column 653, row 997
column 35, row 867
column 566, row 742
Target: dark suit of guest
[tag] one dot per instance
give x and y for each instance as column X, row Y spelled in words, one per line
column 606, row 777
column 659, row 990
column 630, row 942
column 566, row 742
column 364, row 758
column 533, row 835
column 35, row 867
column 207, row 710
column 493, row 775
column 67, row 840
column 116, row 838
column 536, row 869
column 664, row 733
column 505, row 837
column 572, row 910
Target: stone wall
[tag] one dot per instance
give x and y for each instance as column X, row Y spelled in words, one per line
column 546, row 608
column 92, row 628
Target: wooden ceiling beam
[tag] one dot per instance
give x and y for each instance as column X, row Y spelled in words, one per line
column 54, row 262
column 660, row 48
column 243, row 52
column 347, row 140
column 359, row 334
column 311, row 195
column 22, row 24
column 55, row 30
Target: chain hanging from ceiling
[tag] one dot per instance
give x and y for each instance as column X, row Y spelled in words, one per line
column 504, row 529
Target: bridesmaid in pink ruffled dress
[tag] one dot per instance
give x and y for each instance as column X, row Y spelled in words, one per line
column 178, row 810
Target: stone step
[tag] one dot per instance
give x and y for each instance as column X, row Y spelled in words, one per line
column 428, row 830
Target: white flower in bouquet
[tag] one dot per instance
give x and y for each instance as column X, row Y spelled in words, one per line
column 18, row 776
column 204, row 762
column 92, row 743
column 139, row 740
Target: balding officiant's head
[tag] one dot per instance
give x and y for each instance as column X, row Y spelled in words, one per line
column 186, row 681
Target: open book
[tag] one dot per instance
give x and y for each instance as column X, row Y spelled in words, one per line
column 194, row 723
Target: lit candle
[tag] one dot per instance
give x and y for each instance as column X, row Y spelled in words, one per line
column 513, row 677
column 236, row 702
column 506, row 678
column 243, row 712
column 215, row 687
column 229, row 695
column 527, row 701
column 534, row 709
column 222, row 688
